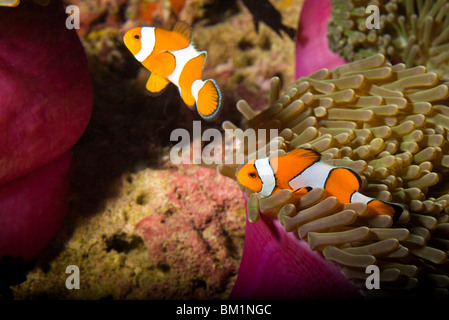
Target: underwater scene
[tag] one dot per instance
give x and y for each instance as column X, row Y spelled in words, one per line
column 224, row 149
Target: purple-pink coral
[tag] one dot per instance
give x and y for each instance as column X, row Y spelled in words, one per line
column 45, row 105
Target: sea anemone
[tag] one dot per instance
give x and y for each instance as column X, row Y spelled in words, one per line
column 413, row 32
column 45, row 104
column 300, row 272
column 390, row 124
column 312, row 48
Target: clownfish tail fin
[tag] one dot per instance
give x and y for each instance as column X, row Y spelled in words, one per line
column 398, row 210
column 208, row 98
column 393, row 210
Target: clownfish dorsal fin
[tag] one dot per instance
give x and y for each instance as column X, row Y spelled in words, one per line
column 183, row 29
column 305, row 153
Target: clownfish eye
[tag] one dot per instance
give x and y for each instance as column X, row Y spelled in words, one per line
column 252, row 174
column 136, row 36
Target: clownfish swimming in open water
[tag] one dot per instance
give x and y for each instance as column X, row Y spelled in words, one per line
column 301, row 170
column 171, row 57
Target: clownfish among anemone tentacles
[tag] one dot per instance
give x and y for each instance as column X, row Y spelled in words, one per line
column 171, row 57
column 301, row 170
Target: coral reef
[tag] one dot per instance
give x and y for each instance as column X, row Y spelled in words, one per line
column 146, row 242
column 412, row 32
column 389, row 123
column 127, row 199
column 137, row 224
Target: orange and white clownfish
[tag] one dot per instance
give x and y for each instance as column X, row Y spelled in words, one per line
column 9, row 3
column 301, row 170
column 171, row 57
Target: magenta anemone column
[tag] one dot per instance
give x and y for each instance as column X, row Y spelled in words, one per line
column 45, row 105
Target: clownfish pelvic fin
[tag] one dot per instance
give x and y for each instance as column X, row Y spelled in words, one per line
column 156, row 84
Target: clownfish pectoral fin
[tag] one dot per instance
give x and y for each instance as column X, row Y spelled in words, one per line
column 208, row 101
column 305, row 189
column 182, row 28
column 156, row 83
column 379, row 207
column 163, row 64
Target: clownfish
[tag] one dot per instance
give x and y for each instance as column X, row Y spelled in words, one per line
column 171, row 57
column 9, row 3
column 301, row 170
